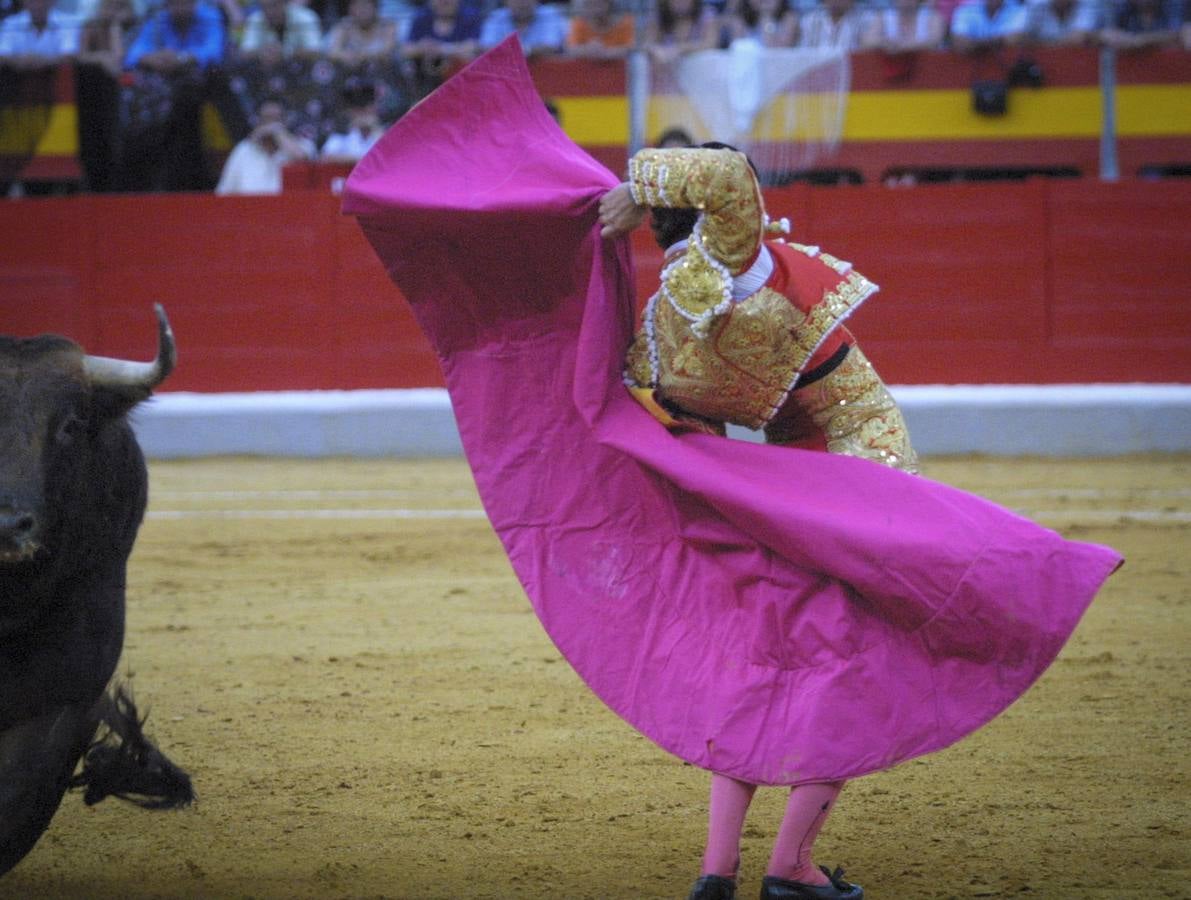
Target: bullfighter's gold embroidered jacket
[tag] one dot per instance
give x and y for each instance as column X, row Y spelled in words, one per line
column 748, row 330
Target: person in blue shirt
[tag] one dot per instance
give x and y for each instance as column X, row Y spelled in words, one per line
column 444, row 33
column 541, row 28
column 978, row 25
column 1142, row 24
column 185, row 33
column 173, row 68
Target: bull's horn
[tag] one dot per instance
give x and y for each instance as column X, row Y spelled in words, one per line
column 115, row 373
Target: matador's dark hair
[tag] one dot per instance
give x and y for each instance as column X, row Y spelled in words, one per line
column 673, row 224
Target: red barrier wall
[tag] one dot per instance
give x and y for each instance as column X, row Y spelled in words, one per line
column 1042, row 282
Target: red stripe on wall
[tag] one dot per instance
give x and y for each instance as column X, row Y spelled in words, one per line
column 1044, row 282
column 874, row 158
column 1061, row 67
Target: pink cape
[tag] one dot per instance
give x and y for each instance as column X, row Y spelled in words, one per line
column 780, row 616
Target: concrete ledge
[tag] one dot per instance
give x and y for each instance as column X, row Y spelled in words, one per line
column 1002, row 420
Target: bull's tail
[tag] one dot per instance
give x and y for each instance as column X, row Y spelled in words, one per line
column 122, row 762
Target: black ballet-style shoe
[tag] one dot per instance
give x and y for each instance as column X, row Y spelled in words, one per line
column 773, row 888
column 713, row 887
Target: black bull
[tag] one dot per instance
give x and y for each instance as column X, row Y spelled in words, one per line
column 73, row 488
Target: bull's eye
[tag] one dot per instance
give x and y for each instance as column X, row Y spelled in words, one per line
column 69, row 429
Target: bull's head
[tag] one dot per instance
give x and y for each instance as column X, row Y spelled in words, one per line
column 60, row 410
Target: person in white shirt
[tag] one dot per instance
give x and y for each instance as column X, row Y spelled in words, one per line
column 363, row 129
column 835, row 25
column 280, row 28
column 905, row 26
column 38, row 36
column 254, row 165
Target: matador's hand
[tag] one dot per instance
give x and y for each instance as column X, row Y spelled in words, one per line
column 619, row 213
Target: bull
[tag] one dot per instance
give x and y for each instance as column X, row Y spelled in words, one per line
column 73, row 489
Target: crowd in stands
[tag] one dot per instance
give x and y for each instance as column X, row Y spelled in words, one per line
column 304, row 79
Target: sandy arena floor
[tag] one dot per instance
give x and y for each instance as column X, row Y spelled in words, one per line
column 339, row 653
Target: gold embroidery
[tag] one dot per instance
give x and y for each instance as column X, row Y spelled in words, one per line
column 740, row 372
column 637, row 368
column 720, row 183
column 694, row 284
column 836, row 263
column 856, row 414
column 739, row 366
column 743, row 370
column 726, row 234
column 826, row 315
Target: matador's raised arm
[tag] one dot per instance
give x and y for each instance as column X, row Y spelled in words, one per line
column 719, row 183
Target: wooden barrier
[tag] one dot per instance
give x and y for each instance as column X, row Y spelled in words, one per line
column 1043, row 282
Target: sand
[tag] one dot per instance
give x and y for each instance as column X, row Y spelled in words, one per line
column 339, row 653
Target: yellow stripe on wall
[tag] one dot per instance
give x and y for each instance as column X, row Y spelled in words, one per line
column 948, row 115
column 1142, row 110
column 1146, row 110
column 928, row 115
column 61, row 137
column 26, row 128
column 594, row 120
column 215, row 136
column 19, row 127
column 1153, row 110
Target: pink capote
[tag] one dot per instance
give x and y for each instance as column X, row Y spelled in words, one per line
column 777, row 615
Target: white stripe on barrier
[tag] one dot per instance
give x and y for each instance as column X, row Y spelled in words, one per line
column 1094, row 493
column 1107, row 516
column 1073, row 516
column 174, row 514
column 999, row 420
column 403, row 493
column 328, row 494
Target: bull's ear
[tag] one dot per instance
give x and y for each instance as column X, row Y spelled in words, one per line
column 112, row 402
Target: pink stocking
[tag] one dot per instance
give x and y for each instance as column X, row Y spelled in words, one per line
column 806, row 811
column 725, row 821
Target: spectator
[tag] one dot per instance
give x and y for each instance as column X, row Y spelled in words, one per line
column 837, row 25
column 328, row 11
column 1063, row 22
column 186, row 35
column 255, row 163
column 104, row 40
column 681, row 26
column 1141, row 24
column 363, row 125
column 232, row 12
column 401, row 13
column 906, row 26
column 281, row 28
column 443, row 33
column 541, row 28
column 771, row 22
column 107, row 35
column 38, row 37
column 363, row 36
column 168, row 82
column 980, row 25
column 946, row 9
column 597, row 32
